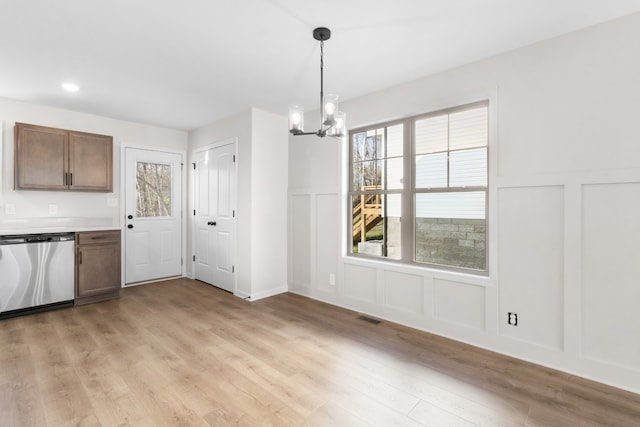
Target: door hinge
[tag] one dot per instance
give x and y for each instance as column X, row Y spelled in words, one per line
column 194, row 212
column 194, row 166
column 194, row 258
column 234, row 158
column 233, row 268
column 234, row 214
column 181, row 261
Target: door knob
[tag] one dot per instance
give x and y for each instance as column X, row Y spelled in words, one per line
column 130, row 226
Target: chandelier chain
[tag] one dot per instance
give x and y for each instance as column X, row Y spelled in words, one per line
column 321, row 81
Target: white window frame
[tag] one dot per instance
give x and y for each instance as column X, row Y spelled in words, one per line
column 409, row 192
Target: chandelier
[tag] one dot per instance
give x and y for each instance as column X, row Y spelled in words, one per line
column 332, row 121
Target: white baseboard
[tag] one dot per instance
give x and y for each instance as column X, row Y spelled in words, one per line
column 261, row 295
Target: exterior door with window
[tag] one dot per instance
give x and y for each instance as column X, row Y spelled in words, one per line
column 214, row 214
column 153, row 200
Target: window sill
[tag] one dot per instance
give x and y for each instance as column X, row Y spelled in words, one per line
column 435, row 273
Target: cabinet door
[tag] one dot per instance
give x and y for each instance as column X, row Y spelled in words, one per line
column 98, row 269
column 41, row 159
column 90, row 162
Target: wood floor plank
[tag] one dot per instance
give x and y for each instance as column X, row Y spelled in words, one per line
column 302, row 397
column 398, row 371
column 184, row 353
column 111, row 399
column 429, row 414
column 21, row 405
column 63, row 396
column 161, row 404
column 544, row 416
column 369, row 409
column 331, row 414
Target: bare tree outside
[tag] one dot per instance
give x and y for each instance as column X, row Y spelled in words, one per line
column 153, row 189
column 367, row 163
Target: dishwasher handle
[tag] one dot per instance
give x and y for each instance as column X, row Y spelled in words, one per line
column 38, row 239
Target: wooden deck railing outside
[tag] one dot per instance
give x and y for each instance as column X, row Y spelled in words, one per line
column 367, row 213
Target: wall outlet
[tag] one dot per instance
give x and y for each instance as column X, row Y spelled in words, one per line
column 512, row 319
column 332, row 279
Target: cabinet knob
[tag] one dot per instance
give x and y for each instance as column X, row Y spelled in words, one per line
column 130, row 226
column 129, row 216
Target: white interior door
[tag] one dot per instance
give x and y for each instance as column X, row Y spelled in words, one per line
column 153, row 211
column 214, row 225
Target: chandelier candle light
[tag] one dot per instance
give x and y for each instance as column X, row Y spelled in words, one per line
column 332, row 121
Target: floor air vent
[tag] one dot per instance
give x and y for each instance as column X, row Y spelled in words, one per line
column 368, row 319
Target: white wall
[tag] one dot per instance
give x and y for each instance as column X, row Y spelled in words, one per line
column 82, row 208
column 262, row 185
column 269, row 179
column 564, row 209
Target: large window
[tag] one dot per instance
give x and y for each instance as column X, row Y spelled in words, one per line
column 418, row 189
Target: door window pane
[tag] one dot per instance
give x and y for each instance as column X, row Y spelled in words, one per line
column 153, row 190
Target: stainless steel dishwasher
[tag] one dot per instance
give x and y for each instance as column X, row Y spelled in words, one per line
column 36, row 272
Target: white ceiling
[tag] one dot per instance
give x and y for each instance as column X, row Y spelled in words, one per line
column 184, row 64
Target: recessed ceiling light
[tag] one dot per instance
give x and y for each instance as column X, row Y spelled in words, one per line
column 70, row 87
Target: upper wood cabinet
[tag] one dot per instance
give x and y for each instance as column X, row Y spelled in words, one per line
column 59, row 159
column 90, row 162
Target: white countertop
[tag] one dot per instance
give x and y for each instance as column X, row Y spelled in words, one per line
column 54, row 225
column 13, row 232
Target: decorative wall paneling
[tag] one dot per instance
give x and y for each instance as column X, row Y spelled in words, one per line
column 557, row 294
column 610, row 273
column 404, row 292
column 327, row 208
column 460, row 303
column 530, row 260
column 300, row 241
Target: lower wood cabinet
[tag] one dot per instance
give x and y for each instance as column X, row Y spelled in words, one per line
column 97, row 266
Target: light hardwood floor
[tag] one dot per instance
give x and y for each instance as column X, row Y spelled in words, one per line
column 184, row 353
